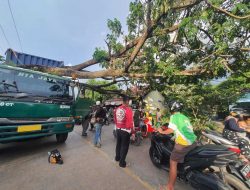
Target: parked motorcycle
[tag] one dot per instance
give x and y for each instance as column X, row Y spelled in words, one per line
column 238, row 170
column 217, row 138
column 109, row 117
column 197, row 168
column 146, row 127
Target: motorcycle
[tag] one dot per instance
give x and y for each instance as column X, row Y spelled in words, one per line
column 217, row 138
column 109, row 118
column 197, row 168
column 146, row 127
column 238, row 170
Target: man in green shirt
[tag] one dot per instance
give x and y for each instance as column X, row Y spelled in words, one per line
column 184, row 140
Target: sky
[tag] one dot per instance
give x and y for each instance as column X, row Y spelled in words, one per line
column 63, row 30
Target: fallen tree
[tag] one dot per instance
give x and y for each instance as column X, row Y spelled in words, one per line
column 167, row 38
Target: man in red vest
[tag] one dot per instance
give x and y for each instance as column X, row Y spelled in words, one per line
column 123, row 117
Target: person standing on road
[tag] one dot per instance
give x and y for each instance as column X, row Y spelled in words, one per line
column 92, row 115
column 100, row 116
column 185, row 140
column 123, row 117
column 85, row 124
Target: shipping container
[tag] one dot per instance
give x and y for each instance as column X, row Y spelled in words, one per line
column 26, row 59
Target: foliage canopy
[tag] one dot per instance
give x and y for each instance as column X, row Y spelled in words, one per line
column 177, row 47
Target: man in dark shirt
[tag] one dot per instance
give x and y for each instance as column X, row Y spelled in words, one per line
column 230, row 132
column 85, row 124
column 100, row 116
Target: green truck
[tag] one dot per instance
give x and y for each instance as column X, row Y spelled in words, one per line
column 82, row 108
column 35, row 104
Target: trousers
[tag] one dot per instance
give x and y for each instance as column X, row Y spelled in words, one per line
column 122, row 146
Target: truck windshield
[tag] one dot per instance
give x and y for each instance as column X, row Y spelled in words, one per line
column 14, row 81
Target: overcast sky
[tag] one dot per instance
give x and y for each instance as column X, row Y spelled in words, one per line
column 64, row 30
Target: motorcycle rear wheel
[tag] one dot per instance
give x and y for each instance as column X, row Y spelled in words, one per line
column 156, row 160
column 234, row 182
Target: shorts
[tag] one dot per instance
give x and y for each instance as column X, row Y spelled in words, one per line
column 180, row 151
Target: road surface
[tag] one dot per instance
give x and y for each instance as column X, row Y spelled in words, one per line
column 24, row 165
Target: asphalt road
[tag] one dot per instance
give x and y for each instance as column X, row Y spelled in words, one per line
column 24, row 165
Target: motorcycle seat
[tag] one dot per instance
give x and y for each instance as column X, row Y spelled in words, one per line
column 209, row 148
column 214, row 133
column 165, row 137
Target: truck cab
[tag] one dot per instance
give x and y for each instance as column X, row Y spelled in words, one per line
column 34, row 104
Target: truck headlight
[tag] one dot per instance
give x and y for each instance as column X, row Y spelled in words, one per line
column 60, row 119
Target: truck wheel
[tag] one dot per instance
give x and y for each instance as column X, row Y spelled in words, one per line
column 61, row 138
column 234, row 182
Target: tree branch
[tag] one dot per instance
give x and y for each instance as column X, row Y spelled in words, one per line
column 208, row 35
column 111, row 83
column 91, row 62
column 179, row 5
column 116, row 73
column 226, row 12
column 166, row 30
column 100, row 90
column 245, row 49
column 149, row 29
column 224, row 62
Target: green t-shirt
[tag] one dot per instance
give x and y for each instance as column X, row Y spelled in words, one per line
column 183, row 129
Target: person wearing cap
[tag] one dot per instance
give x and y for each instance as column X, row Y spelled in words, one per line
column 100, row 116
column 123, row 116
column 231, row 130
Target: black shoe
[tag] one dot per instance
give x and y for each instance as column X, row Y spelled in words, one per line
column 84, row 134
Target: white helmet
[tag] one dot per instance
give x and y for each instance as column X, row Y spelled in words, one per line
column 98, row 103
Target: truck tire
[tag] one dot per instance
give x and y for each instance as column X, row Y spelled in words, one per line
column 234, row 182
column 61, row 138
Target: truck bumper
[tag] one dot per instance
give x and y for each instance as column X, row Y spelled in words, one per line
column 11, row 133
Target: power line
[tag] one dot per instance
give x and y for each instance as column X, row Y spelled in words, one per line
column 15, row 26
column 5, row 35
column 1, row 48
